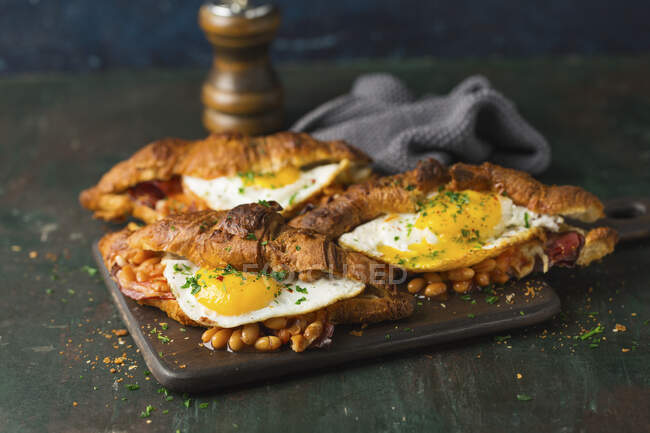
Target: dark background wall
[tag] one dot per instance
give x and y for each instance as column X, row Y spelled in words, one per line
column 80, row 35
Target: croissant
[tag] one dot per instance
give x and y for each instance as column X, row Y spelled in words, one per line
column 247, row 237
column 150, row 184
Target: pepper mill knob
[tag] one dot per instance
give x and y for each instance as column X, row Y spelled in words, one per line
column 242, row 91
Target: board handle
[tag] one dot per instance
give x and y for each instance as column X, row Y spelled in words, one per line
column 629, row 216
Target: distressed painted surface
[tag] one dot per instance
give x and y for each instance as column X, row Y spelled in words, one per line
column 78, row 35
column 58, row 134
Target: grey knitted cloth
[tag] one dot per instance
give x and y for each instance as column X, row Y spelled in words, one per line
column 473, row 123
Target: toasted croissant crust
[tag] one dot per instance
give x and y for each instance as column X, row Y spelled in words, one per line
column 255, row 235
column 401, row 193
column 599, row 242
column 218, row 155
column 363, row 202
column 566, row 200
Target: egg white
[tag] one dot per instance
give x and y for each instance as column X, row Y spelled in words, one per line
column 320, row 294
column 227, row 192
column 399, row 232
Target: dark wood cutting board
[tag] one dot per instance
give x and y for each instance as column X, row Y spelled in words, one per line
column 183, row 365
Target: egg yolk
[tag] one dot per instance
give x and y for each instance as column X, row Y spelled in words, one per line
column 231, row 293
column 283, row 177
column 461, row 220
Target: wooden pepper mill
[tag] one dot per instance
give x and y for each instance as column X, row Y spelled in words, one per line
column 242, row 92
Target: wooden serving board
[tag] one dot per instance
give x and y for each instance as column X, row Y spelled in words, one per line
column 183, row 365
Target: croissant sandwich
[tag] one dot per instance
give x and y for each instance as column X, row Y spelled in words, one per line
column 172, row 176
column 250, row 278
column 467, row 226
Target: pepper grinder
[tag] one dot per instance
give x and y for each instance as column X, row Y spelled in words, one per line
column 242, row 91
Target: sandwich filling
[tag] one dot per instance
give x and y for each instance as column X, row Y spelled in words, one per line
column 450, row 229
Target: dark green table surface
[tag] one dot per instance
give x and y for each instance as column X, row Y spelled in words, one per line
column 58, row 134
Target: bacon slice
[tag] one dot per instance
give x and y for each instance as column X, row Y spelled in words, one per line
column 563, row 249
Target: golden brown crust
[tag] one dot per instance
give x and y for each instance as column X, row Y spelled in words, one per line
column 599, row 242
column 255, row 236
column 565, row 200
column 372, row 308
column 218, row 155
column 366, row 201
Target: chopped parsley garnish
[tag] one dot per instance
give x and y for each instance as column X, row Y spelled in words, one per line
column 264, row 203
column 49, row 291
column 396, row 238
column 164, row 338
column 410, row 187
column 187, row 402
column 471, row 316
column 181, row 269
column 192, row 282
column 301, row 300
column 597, row 330
column 241, row 190
column 466, row 297
column 132, row 387
column 526, row 222
column 278, row 275
column 164, row 326
column 524, row 397
column 204, row 405
column 297, row 247
column 292, row 198
column 251, row 236
column 492, row 299
column 264, row 242
column 301, row 289
column 147, row 411
column 502, row 338
column 89, row 270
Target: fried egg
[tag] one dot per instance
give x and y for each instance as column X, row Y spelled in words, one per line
column 227, row 298
column 450, row 230
column 289, row 186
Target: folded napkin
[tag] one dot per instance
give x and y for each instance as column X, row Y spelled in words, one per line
column 473, row 123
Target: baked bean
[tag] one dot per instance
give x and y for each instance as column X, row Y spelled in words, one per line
column 299, row 343
column 268, row 343
column 120, row 261
column 299, row 324
column 276, row 323
column 503, row 262
column 432, row 277
column 249, row 333
column 461, row 286
column 139, row 257
column 207, row 335
column 435, row 290
column 284, row 335
column 482, row 278
column 141, row 276
column 485, row 265
column 235, row 342
column 126, row 274
column 220, row 338
column 461, row 274
column 416, row 284
column 498, row 276
column 313, row 331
